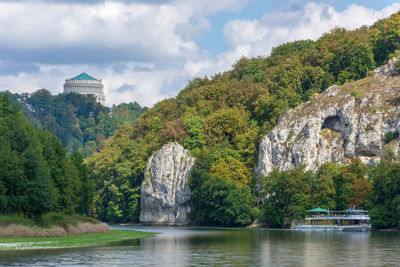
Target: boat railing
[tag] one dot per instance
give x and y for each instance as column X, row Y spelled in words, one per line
column 347, row 213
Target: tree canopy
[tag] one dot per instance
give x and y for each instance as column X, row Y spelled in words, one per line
column 36, row 175
column 222, row 118
column 78, row 120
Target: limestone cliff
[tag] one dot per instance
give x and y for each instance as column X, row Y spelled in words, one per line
column 353, row 120
column 165, row 194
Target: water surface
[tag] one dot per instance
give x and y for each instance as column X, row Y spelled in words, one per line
column 218, row 246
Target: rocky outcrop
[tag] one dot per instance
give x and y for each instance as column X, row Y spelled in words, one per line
column 164, row 194
column 340, row 124
column 388, row 69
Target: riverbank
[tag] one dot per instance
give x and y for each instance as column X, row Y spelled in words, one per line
column 49, row 225
column 21, row 231
column 86, row 240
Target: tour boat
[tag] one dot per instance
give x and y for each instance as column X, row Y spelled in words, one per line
column 325, row 220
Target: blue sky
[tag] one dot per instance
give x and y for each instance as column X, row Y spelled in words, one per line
column 147, row 50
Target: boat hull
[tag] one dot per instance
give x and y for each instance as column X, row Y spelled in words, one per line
column 346, row 228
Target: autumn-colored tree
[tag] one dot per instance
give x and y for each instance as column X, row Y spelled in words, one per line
column 231, row 170
column 221, row 120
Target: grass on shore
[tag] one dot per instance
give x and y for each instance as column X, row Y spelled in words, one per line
column 8, row 244
column 53, row 224
column 46, row 220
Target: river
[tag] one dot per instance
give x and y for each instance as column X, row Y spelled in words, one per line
column 225, row 247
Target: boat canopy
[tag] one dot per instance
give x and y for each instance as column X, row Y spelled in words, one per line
column 318, row 210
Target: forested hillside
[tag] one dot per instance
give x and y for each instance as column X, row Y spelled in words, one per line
column 81, row 124
column 36, row 174
column 222, row 119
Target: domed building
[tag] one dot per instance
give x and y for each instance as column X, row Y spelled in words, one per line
column 86, row 85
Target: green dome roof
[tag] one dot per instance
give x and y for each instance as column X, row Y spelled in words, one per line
column 84, row 76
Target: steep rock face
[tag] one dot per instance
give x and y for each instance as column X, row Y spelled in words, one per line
column 342, row 123
column 165, row 194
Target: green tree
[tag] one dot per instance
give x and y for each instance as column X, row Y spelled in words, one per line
column 345, row 184
column 285, row 197
column 385, row 37
column 321, row 189
column 224, row 124
column 231, row 170
column 384, row 201
column 76, row 119
column 289, row 48
column 24, row 175
column 221, row 202
column 58, row 163
column 196, row 140
column 85, row 192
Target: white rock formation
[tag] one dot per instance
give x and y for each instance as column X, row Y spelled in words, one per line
column 342, row 123
column 389, row 68
column 164, row 194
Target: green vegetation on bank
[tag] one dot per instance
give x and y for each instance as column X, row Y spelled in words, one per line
column 41, row 186
column 336, row 187
column 46, row 220
column 78, row 120
column 333, row 186
column 7, row 244
column 222, row 119
column 36, row 174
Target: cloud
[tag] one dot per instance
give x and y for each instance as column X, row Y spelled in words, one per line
column 126, row 88
column 142, row 44
column 308, row 22
column 89, row 1
column 12, row 67
column 144, row 86
column 104, row 32
column 146, row 51
column 257, row 37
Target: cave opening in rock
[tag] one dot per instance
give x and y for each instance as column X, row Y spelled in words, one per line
column 332, row 123
column 365, row 153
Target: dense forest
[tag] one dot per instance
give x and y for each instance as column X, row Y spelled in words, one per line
column 36, row 174
column 78, row 120
column 43, row 141
column 221, row 121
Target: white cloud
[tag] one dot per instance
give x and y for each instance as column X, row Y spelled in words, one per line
column 103, row 27
column 309, row 22
column 251, row 38
column 135, row 30
column 149, row 50
column 63, row 39
column 238, row 32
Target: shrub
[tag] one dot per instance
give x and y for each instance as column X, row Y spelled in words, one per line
column 397, row 66
column 356, row 94
column 389, row 136
column 60, row 219
column 6, row 220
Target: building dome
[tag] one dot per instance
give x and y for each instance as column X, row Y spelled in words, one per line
column 86, row 85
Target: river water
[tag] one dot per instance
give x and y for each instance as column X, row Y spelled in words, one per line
column 225, row 247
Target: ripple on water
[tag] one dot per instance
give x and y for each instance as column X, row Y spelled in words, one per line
column 216, row 246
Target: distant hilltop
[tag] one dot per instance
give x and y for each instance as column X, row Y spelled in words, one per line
column 86, row 85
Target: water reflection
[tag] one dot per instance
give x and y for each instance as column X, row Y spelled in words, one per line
column 237, row 247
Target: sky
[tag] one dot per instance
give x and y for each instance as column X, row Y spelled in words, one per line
column 148, row 50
